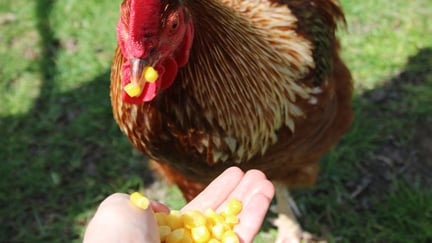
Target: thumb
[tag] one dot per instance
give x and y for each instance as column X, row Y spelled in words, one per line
column 118, row 220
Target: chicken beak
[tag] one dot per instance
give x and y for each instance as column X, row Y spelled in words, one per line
column 137, row 68
column 134, row 89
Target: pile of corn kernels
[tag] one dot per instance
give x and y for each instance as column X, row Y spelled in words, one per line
column 196, row 226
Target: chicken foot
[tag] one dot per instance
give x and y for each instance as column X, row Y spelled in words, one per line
column 289, row 230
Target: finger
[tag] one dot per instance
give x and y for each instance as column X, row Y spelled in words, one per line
column 217, row 191
column 254, row 211
column 118, row 220
column 159, row 207
column 245, row 187
column 113, row 199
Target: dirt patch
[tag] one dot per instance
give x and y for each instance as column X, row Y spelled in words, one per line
column 394, row 160
column 399, row 156
column 422, row 145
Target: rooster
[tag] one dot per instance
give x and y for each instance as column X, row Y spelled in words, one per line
column 257, row 84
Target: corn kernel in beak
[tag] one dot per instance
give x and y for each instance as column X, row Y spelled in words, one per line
column 133, row 90
column 150, row 74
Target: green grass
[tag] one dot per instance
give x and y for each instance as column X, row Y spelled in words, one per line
column 61, row 152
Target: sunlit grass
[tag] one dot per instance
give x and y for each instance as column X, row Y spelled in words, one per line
column 381, row 35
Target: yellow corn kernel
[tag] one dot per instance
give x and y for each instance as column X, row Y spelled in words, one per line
column 210, row 213
column 195, row 226
column 213, row 217
column 218, row 230
column 231, row 219
column 175, row 236
column 186, row 238
column 161, row 218
column 164, row 231
column 230, row 237
column 200, row 234
column 233, row 207
column 133, row 90
column 174, row 219
column 194, row 218
column 213, row 241
column 150, row 74
column 139, row 200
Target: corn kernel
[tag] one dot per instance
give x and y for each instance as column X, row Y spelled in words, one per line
column 175, row 236
column 174, row 219
column 194, row 218
column 200, row 234
column 218, row 230
column 161, row 218
column 139, row 200
column 195, row 226
column 231, row 219
column 164, row 231
column 233, row 207
column 186, row 239
column 230, row 237
column 210, row 213
column 213, row 241
column 133, row 90
column 213, row 217
column 150, row 74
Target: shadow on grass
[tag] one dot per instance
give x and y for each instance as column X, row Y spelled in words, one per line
column 67, row 154
column 405, row 99
column 49, row 46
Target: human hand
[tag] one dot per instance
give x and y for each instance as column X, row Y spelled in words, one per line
column 117, row 219
column 251, row 188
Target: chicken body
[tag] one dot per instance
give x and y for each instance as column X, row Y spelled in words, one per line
column 263, row 88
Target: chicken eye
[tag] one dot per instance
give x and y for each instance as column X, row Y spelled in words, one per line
column 174, row 24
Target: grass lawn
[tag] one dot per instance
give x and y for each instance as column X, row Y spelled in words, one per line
column 61, row 152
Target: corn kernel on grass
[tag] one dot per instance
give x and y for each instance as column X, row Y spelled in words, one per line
column 195, row 226
column 150, row 75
